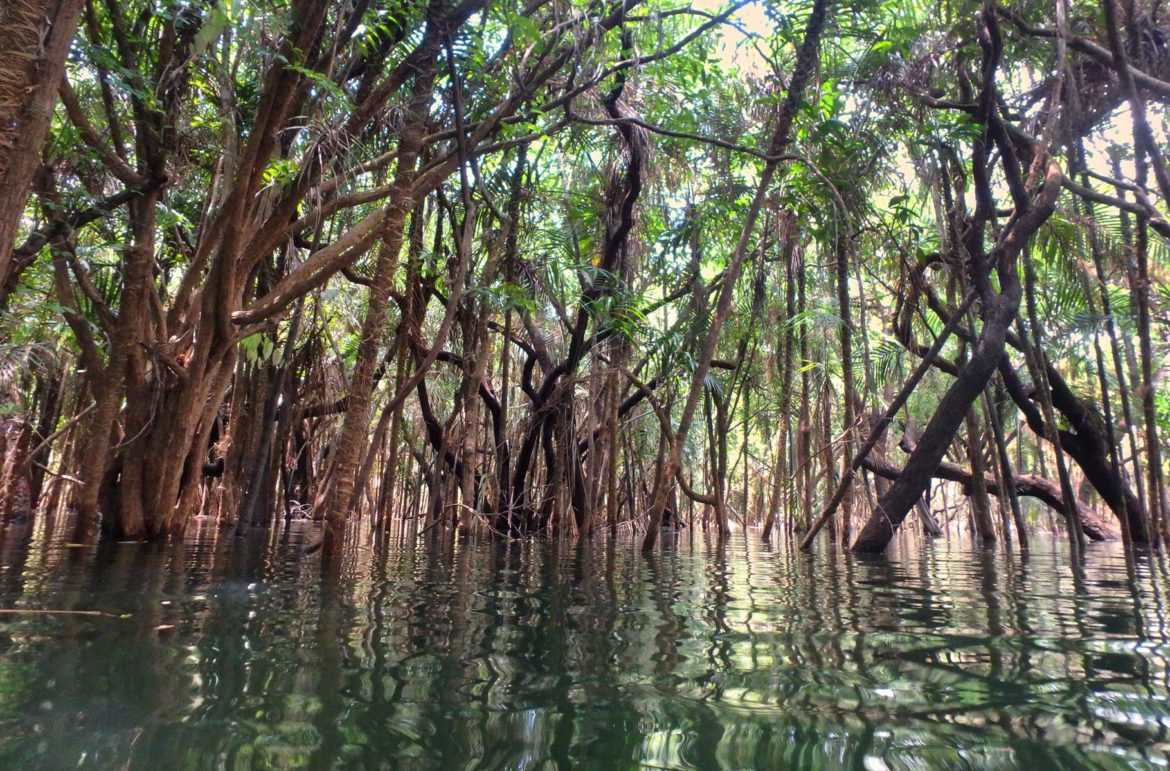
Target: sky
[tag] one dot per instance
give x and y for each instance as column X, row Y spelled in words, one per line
column 731, row 50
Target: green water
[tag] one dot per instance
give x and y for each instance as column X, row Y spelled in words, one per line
column 539, row 655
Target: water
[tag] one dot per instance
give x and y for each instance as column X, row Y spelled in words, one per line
column 539, row 655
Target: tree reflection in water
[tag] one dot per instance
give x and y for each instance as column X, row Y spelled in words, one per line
column 537, row 654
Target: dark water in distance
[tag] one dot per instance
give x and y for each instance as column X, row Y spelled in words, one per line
column 540, row 655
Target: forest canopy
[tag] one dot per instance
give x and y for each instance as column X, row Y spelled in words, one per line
column 557, row 267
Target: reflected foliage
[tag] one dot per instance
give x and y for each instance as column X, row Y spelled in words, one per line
column 543, row 655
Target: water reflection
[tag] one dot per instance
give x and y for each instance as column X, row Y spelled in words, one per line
column 235, row 655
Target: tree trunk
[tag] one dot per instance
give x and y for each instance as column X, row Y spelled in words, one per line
column 980, row 502
column 999, row 309
column 849, row 414
column 356, row 423
column 949, row 414
column 35, row 38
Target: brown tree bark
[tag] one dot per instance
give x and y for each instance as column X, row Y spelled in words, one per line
column 878, row 429
column 980, row 501
column 1042, row 489
column 35, row 37
column 893, row 507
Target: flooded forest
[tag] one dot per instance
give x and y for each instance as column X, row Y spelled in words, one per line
column 584, row 384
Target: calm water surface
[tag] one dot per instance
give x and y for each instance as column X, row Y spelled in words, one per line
column 221, row 655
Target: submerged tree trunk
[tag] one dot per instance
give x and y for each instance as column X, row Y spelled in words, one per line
column 893, row 507
column 999, row 312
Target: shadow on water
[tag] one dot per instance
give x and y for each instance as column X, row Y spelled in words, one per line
column 521, row 655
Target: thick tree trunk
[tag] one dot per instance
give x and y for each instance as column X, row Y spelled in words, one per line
column 877, row 430
column 93, row 445
column 1085, row 443
column 893, row 507
column 16, row 444
column 1148, row 157
column 999, row 309
column 1032, row 486
column 35, row 37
